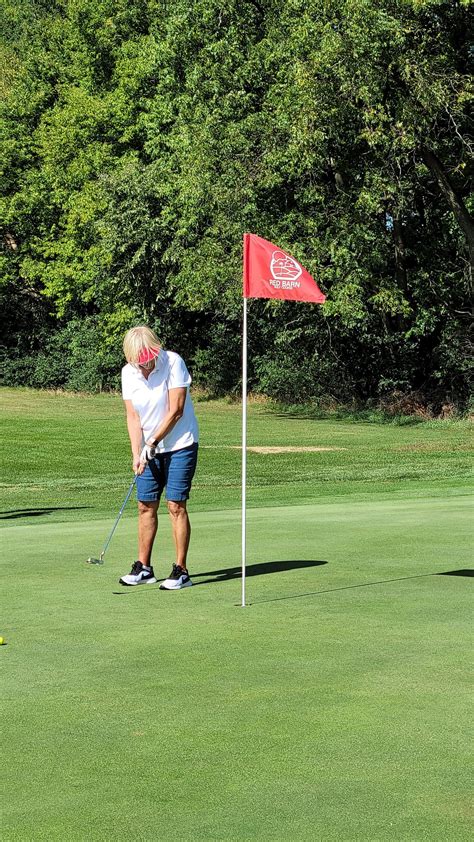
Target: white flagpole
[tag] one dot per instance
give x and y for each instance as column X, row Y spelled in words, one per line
column 244, row 447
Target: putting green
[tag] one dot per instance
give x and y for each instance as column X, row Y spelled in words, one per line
column 334, row 707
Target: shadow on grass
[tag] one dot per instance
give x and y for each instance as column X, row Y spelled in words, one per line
column 467, row 573
column 260, row 569
column 280, row 566
column 10, row 514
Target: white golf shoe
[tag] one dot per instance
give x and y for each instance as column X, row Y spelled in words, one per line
column 139, row 575
column 177, row 579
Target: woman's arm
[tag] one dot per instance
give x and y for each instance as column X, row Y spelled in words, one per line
column 176, row 401
column 134, row 433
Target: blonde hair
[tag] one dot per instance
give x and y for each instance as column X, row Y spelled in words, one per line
column 138, row 339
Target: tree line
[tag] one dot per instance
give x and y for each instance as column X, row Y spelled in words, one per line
column 142, row 138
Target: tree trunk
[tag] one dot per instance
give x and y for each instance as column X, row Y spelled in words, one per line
column 400, row 267
column 463, row 218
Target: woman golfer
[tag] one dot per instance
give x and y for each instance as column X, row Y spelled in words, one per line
column 163, row 435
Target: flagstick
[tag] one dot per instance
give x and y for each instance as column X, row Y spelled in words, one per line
column 263, row 264
column 244, row 447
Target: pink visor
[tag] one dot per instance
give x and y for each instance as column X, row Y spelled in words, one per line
column 147, row 355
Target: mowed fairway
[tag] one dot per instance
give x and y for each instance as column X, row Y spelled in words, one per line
column 335, row 706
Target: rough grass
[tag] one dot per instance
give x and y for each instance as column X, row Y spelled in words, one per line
column 68, row 455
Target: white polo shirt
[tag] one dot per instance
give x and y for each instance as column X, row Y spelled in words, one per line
column 150, row 399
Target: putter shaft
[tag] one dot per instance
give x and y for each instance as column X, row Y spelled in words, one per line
column 100, row 560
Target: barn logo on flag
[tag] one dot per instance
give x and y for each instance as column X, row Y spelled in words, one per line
column 284, row 268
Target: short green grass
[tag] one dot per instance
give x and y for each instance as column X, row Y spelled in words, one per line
column 335, row 706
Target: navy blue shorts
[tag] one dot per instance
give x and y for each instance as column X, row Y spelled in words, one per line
column 173, row 470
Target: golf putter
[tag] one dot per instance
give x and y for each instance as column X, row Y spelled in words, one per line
column 100, row 560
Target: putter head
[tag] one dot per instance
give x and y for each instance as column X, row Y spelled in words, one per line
column 99, row 560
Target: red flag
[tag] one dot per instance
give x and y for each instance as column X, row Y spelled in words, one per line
column 269, row 272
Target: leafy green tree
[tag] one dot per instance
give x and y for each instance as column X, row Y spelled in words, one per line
column 142, row 139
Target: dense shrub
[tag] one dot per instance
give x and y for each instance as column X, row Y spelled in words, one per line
column 73, row 358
